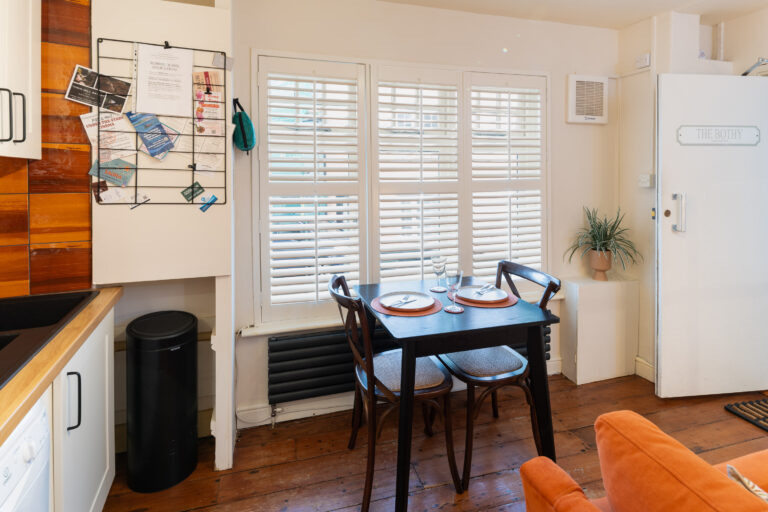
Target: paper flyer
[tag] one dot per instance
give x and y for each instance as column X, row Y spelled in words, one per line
column 172, row 134
column 116, row 141
column 207, row 82
column 209, row 115
column 89, row 88
column 163, row 80
column 117, row 172
column 151, row 132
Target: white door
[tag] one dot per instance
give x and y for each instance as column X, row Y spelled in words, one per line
column 83, row 425
column 712, row 234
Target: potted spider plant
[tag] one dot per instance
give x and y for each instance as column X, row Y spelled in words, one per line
column 604, row 240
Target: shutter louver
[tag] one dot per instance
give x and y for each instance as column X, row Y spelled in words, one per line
column 313, row 129
column 507, row 161
column 312, row 153
column 506, row 226
column 418, row 132
column 413, row 228
column 310, row 239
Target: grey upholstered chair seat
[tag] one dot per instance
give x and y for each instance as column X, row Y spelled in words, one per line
column 485, row 362
column 387, row 367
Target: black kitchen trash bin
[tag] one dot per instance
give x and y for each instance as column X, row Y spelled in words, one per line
column 161, row 375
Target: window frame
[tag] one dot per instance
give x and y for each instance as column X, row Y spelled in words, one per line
column 368, row 200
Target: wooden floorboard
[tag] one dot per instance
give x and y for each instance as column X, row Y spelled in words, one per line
column 304, row 465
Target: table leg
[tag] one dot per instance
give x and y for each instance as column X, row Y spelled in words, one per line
column 405, row 427
column 540, row 389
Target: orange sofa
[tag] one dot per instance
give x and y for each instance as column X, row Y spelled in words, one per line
column 645, row 470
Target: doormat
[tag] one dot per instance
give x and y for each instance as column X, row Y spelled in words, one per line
column 755, row 412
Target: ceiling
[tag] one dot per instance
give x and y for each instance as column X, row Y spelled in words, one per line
column 598, row 13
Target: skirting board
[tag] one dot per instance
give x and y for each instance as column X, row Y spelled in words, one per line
column 255, row 416
column 645, row 369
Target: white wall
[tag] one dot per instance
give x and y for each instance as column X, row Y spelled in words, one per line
column 583, row 158
column 746, row 39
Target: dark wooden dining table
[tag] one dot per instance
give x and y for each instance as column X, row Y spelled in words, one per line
column 445, row 332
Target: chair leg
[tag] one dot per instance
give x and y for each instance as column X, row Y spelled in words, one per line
column 470, row 436
column 357, row 415
column 495, row 403
column 534, row 418
column 371, row 462
column 449, row 443
column 426, row 412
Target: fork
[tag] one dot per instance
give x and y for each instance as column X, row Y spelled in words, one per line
column 403, row 300
column 485, row 289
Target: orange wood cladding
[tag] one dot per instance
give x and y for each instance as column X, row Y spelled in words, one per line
column 13, row 175
column 14, row 270
column 59, row 267
column 47, row 202
column 59, row 218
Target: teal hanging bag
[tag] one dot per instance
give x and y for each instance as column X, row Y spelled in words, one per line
column 244, row 135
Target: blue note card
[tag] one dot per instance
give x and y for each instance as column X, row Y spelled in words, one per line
column 151, row 132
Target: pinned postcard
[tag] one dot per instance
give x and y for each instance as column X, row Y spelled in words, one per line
column 163, row 84
column 115, row 140
column 192, row 191
column 174, row 136
column 153, row 135
column 89, row 88
column 117, row 172
column 208, row 203
column 99, row 187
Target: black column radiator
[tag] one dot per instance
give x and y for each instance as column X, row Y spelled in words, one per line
column 320, row 364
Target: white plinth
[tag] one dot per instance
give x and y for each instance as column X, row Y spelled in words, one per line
column 598, row 329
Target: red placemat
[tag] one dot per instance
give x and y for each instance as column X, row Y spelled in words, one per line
column 511, row 301
column 437, row 306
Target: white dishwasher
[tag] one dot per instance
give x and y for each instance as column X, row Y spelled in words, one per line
column 25, row 461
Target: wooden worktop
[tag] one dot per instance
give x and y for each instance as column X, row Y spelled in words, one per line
column 27, row 386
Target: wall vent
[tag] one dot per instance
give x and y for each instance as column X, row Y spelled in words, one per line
column 587, row 99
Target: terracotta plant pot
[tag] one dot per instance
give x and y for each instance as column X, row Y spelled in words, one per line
column 600, row 262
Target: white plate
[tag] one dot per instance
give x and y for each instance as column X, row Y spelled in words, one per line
column 418, row 301
column 470, row 293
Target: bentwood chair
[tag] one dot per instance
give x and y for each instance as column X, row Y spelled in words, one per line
column 495, row 367
column 377, row 381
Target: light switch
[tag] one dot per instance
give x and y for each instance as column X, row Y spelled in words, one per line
column 643, row 61
column 646, row 180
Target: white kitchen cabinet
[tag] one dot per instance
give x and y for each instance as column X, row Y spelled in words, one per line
column 20, row 99
column 83, row 424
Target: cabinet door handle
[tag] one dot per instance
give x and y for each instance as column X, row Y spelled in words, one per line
column 79, row 399
column 23, row 117
column 10, row 114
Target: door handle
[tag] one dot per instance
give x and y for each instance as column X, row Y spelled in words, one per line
column 10, row 114
column 680, row 198
column 23, row 117
column 79, row 400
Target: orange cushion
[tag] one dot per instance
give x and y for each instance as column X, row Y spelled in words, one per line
column 549, row 489
column 645, row 470
column 753, row 466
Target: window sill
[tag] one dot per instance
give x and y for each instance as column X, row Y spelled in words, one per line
column 313, row 324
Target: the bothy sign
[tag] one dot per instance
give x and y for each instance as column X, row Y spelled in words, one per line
column 718, row 135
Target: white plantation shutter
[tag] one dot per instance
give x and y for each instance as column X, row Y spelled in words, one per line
column 507, row 158
column 311, row 156
column 416, row 175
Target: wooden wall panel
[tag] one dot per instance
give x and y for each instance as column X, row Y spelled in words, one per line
column 14, row 270
column 14, row 221
column 46, row 202
column 60, row 267
column 62, row 169
column 59, row 218
column 59, row 62
column 61, row 122
column 67, row 22
column 13, row 175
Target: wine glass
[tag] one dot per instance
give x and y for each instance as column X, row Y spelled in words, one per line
column 438, row 265
column 453, row 280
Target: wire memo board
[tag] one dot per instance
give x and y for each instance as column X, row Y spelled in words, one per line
column 196, row 159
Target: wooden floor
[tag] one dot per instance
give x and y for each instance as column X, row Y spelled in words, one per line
column 305, row 465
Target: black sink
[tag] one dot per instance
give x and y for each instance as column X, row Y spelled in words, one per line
column 27, row 324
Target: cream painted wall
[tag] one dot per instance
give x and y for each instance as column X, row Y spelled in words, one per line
column 746, row 39
column 583, row 158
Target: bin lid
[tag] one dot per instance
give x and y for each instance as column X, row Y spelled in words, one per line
column 161, row 325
